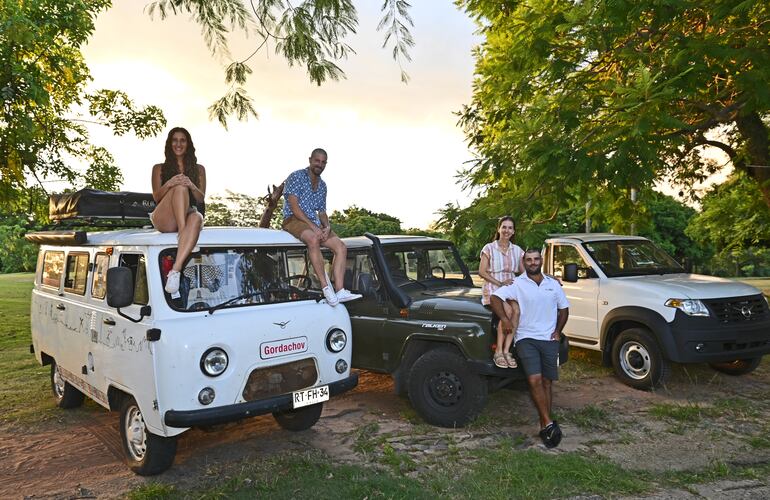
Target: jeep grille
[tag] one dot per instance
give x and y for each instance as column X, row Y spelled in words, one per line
column 280, row 379
column 739, row 309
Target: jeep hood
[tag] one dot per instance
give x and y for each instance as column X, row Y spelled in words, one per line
column 688, row 286
column 463, row 301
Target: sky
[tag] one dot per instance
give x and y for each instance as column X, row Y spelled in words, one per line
column 393, row 148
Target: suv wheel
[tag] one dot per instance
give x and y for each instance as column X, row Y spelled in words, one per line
column 444, row 390
column 299, row 419
column 637, row 359
column 737, row 367
column 66, row 395
column 146, row 453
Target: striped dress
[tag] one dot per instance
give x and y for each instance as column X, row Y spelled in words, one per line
column 502, row 266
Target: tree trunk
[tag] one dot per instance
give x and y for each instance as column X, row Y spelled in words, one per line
column 755, row 133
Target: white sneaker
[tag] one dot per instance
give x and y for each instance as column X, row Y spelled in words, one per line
column 172, row 282
column 345, row 296
column 331, row 297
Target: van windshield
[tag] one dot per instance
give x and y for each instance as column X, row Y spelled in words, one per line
column 236, row 277
column 631, row 258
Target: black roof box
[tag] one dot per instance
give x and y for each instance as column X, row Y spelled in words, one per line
column 94, row 204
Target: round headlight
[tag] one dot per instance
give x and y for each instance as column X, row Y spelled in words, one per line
column 336, row 340
column 214, row 362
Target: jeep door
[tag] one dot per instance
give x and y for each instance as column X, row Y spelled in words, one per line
column 583, row 295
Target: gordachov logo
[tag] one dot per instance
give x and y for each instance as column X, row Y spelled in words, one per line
column 282, row 347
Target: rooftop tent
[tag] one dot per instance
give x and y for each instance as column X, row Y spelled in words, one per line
column 90, row 203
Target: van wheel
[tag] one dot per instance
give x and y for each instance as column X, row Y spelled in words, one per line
column 64, row 393
column 637, row 359
column 444, row 390
column 737, row 367
column 147, row 454
column 300, row 419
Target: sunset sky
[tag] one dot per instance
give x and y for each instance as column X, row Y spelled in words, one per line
column 393, row 148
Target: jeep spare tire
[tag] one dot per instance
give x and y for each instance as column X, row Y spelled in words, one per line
column 637, row 359
column 444, row 390
column 737, row 367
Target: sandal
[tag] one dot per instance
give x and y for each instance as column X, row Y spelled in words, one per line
column 510, row 360
column 500, row 360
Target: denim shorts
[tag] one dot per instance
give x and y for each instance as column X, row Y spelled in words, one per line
column 539, row 357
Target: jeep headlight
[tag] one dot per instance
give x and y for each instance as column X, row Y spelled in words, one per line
column 690, row 307
column 214, row 362
column 336, row 340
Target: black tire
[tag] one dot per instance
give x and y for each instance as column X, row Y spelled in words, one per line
column 146, row 454
column 65, row 395
column 638, row 360
column 444, row 390
column 300, row 419
column 737, row 367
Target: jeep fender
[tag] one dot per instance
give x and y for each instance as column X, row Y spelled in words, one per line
column 626, row 317
column 415, row 346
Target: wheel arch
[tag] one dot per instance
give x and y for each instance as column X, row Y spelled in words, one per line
column 45, row 358
column 115, row 397
column 623, row 318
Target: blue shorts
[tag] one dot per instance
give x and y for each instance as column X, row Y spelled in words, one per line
column 539, row 357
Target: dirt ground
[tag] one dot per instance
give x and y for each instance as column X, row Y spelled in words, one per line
column 81, row 456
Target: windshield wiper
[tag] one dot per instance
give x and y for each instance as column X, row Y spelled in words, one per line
column 305, row 293
column 234, row 300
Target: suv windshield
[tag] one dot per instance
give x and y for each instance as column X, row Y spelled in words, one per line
column 425, row 266
column 231, row 277
column 631, row 258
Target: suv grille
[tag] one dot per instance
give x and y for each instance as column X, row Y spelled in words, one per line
column 739, row 309
column 280, row 379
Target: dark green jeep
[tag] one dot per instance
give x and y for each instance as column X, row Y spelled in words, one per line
column 421, row 320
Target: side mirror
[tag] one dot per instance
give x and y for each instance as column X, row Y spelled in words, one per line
column 120, row 287
column 570, row 273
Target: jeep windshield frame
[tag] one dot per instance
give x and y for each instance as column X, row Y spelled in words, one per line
column 428, row 265
column 240, row 276
column 631, row 257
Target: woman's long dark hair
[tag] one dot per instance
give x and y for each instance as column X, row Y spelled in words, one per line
column 171, row 168
column 500, row 223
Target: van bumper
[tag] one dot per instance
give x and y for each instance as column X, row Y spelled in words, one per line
column 239, row 411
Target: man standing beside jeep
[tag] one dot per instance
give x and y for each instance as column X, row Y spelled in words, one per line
column 544, row 312
column 304, row 216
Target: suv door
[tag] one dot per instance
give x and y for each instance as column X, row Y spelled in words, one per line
column 583, row 294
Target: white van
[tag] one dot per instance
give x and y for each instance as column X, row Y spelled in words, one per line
column 247, row 334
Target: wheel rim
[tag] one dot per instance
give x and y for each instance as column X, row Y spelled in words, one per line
column 58, row 382
column 136, row 434
column 635, row 360
column 445, row 388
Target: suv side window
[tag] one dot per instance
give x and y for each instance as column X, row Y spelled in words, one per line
column 357, row 265
column 99, row 285
column 568, row 254
column 138, row 267
column 53, row 269
column 76, row 274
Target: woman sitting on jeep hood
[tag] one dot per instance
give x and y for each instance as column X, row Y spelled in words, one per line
column 179, row 190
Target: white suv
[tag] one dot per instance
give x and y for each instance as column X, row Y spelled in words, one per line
column 635, row 304
column 247, row 334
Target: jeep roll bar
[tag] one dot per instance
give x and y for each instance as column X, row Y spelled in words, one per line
column 401, row 299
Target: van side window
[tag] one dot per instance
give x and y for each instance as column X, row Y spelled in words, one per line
column 53, row 269
column 136, row 263
column 99, row 286
column 76, row 275
column 566, row 254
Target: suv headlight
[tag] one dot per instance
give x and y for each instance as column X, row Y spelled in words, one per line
column 214, row 362
column 690, row 307
column 336, row 340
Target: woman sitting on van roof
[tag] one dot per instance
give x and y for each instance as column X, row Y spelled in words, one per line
column 179, row 189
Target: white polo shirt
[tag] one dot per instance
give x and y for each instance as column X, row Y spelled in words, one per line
column 538, row 305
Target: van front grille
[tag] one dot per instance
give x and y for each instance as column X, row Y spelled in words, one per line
column 739, row 309
column 280, row 379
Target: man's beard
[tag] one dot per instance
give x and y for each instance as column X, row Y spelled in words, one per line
column 535, row 272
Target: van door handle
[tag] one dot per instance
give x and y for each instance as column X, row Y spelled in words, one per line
column 108, row 321
column 60, row 307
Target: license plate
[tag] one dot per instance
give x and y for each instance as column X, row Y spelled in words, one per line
column 309, row 397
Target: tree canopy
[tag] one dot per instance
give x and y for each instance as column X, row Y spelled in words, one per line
column 46, row 104
column 311, row 33
column 578, row 100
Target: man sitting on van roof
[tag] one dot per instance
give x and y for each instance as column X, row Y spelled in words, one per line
column 304, row 216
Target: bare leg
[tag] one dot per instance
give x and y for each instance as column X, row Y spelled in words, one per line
column 340, row 256
column 188, row 237
column 540, row 397
column 512, row 309
column 309, row 238
column 170, row 213
column 547, row 388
